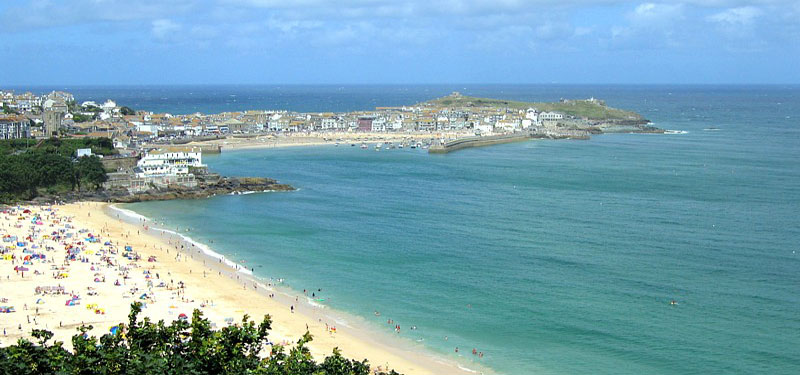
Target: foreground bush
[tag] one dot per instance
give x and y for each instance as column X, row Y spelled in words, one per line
column 179, row 348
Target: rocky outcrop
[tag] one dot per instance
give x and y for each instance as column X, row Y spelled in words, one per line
column 204, row 189
column 223, row 186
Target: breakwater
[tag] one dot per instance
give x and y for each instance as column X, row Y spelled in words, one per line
column 458, row 144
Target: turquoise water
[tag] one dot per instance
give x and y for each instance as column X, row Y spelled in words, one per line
column 551, row 257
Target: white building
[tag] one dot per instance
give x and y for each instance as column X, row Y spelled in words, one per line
column 507, row 125
column 328, row 123
column 550, row 116
column 169, row 162
column 109, row 106
column 150, row 128
column 81, row 152
column 14, row 127
column 379, row 124
column 532, row 114
column 484, row 128
column 527, row 123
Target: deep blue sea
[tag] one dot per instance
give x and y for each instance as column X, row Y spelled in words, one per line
column 552, row 257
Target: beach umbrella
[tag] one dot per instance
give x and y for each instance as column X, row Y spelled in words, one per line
column 22, row 269
column 114, row 330
column 183, row 316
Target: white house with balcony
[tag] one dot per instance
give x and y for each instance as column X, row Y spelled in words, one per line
column 169, row 162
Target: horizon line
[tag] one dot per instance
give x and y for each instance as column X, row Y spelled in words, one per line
column 393, row 84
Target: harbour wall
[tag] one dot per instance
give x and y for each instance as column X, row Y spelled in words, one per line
column 458, row 144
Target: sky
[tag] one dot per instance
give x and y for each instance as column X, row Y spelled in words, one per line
column 113, row 42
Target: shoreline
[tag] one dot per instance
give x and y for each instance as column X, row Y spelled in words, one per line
column 218, row 286
column 357, row 327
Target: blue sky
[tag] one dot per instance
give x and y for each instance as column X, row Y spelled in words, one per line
column 103, row 42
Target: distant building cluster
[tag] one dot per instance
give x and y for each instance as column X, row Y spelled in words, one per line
column 151, row 155
column 57, row 113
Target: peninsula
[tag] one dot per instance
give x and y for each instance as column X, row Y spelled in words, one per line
column 146, row 155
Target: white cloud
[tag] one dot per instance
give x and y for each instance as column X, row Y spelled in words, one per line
column 650, row 26
column 164, row 29
column 739, row 28
column 741, row 16
column 656, row 15
column 489, row 24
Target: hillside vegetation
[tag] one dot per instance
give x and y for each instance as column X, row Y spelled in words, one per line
column 29, row 168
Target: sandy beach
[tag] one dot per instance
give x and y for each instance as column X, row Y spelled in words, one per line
column 345, row 139
column 85, row 263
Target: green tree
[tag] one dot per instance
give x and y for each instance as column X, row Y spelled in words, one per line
column 89, row 170
column 179, row 348
column 78, row 117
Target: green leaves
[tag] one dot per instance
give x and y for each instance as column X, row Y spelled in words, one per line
column 25, row 170
column 89, row 170
column 177, row 348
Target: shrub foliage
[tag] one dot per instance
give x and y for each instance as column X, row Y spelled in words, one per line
column 178, row 348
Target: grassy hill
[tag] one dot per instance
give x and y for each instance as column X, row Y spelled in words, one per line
column 578, row 108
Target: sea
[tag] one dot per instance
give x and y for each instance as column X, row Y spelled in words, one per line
column 624, row 254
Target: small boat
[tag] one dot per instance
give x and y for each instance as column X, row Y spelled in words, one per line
column 364, row 146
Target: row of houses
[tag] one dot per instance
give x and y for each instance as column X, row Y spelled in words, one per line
column 14, row 127
column 57, row 113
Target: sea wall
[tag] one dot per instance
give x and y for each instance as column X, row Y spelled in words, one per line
column 458, row 144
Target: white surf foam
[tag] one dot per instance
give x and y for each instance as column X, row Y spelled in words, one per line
column 203, row 247
column 129, row 213
column 209, row 252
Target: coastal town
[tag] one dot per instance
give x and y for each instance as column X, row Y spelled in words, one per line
column 163, row 150
column 59, row 114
